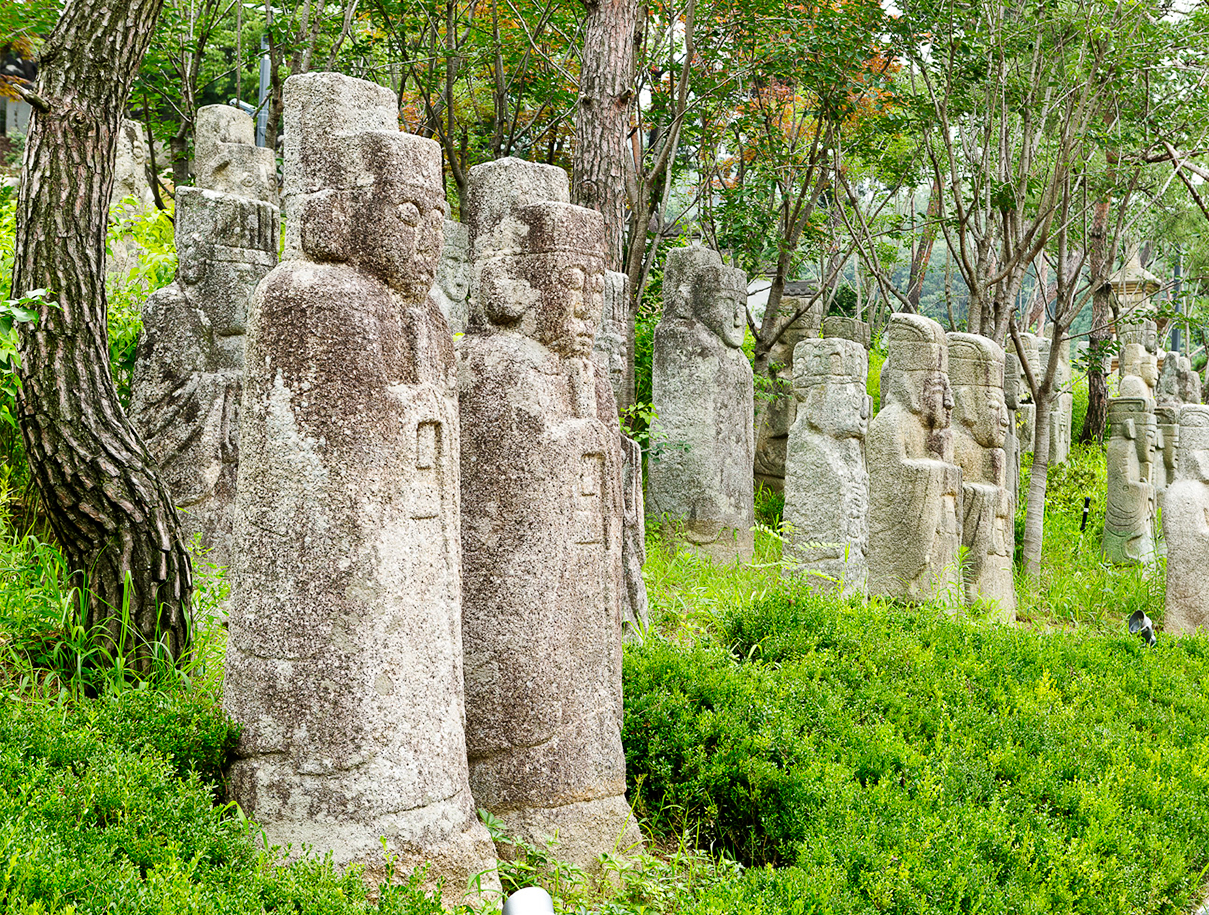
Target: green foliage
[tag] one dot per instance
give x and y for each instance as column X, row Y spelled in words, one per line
column 907, row 761
column 151, row 235
column 873, row 386
column 770, row 506
column 1076, row 585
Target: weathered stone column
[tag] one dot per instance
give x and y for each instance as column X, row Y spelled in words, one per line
column 542, row 525
column 700, row 478
column 1011, row 442
column 188, row 371
column 1186, row 526
column 826, row 483
column 915, row 496
column 980, row 425
column 344, row 663
column 776, row 415
column 453, row 277
column 1129, row 510
column 614, row 347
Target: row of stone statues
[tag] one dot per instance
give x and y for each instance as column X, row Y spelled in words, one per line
column 430, row 549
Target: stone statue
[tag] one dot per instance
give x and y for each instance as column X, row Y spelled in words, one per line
column 188, row 370
column 1026, row 410
column 701, row 477
column 542, row 528
column 915, row 508
column 1166, row 445
column 1012, row 383
column 614, row 347
column 776, row 415
column 1129, row 510
column 453, row 277
column 344, row 662
column 1138, row 362
column 826, row 483
column 846, row 329
column 980, row 425
column 226, row 157
column 1186, row 526
column 1063, row 399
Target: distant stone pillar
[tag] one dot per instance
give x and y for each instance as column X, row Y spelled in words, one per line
column 344, row 663
column 826, row 483
column 846, row 329
column 915, row 495
column 188, row 370
column 980, row 424
column 542, row 523
column 614, row 348
column 1062, row 408
column 699, row 474
column 1011, row 442
column 776, row 415
column 1129, row 501
column 1186, row 526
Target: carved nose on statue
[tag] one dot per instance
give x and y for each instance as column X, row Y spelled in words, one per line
column 532, row 900
column 1141, row 625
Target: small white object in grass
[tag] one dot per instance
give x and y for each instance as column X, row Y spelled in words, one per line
column 532, row 900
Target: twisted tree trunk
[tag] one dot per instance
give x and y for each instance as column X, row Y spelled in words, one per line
column 111, row 514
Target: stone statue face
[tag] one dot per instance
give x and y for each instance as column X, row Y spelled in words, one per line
column 720, row 303
column 571, row 301
column 936, row 401
column 454, row 276
column 982, row 410
column 838, row 409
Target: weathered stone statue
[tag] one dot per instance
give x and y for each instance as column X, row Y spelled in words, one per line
column 1026, row 410
column 1138, row 366
column 915, row 508
column 775, row 416
column 1062, row 407
column 701, row 382
column 542, row 530
column 226, row 157
column 980, row 425
column 615, row 342
column 826, row 483
column 1186, row 526
column 1166, row 445
column 453, row 277
column 846, row 329
column 344, row 662
column 1011, row 442
column 1129, row 510
column 188, row 371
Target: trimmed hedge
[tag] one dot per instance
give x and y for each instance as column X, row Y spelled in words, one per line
column 909, row 762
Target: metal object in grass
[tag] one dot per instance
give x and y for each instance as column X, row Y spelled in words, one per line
column 532, row 900
column 1141, row 625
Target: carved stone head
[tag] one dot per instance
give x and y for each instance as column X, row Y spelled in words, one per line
column 1130, row 418
column 1193, row 451
column 829, row 384
column 552, row 289
column 976, row 370
column 915, row 373
column 698, row 286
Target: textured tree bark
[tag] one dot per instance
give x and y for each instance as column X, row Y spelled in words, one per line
column 602, row 118
column 111, row 514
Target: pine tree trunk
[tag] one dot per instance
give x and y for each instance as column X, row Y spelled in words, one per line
column 602, row 118
column 110, row 512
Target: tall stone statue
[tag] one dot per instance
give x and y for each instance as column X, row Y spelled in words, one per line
column 344, row 662
column 1011, row 443
column 1186, row 526
column 915, row 496
column 1166, row 447
column 1138, row 363
column 776, row 415
column 980, row 425
column 702, row 389
column 614, row 348
column 1026, row 410
column 542, row 528
column 1062, row 406
column 453, row 277
column 826, row 483
column 1129, row 510
column 188, row 370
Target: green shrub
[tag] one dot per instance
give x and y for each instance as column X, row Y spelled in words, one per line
column 910, row 762
column 873, row 386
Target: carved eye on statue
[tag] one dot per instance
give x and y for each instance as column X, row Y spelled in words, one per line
column 573, row 278
column 409, row 213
